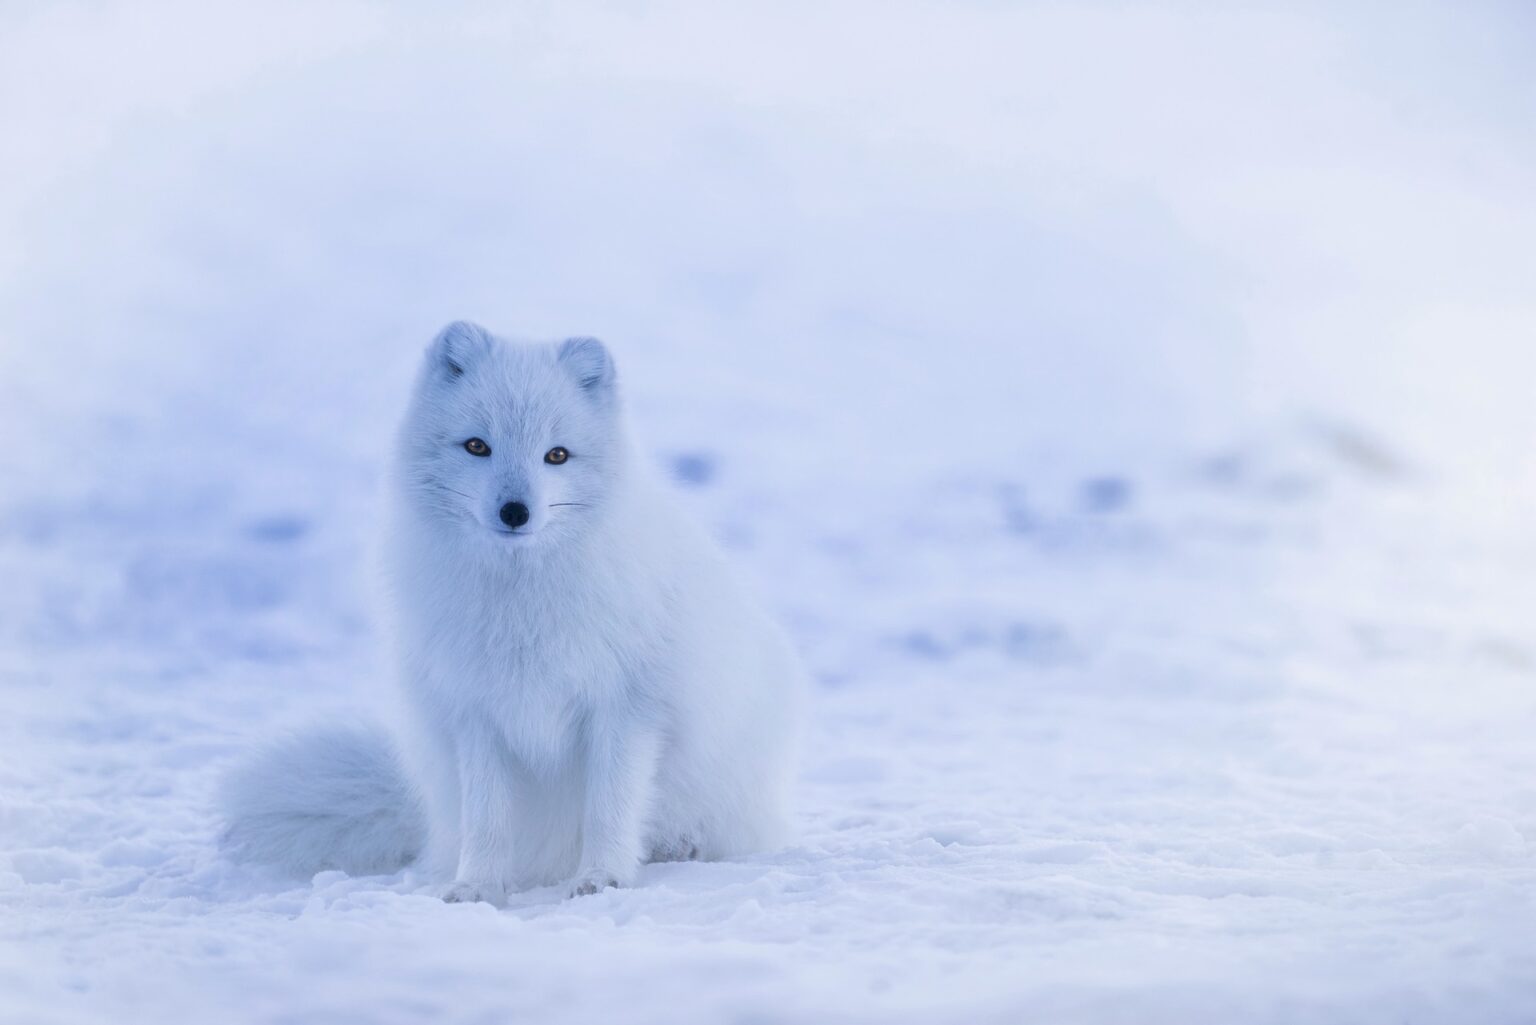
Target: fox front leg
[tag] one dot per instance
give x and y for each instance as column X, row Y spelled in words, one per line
column 621, row 772
column 486, row 829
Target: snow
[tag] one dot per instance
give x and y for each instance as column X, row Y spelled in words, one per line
column 1127, row 408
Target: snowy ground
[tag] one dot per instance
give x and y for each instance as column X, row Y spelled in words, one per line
column 1127, row 409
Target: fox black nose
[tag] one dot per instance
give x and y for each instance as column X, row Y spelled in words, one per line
column 514, row 514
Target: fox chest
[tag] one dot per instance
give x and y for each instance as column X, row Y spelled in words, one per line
column 536, row 683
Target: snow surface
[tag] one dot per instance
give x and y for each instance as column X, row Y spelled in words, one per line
column 1127, row 407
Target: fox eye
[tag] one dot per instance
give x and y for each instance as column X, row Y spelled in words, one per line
column 476, row 447
column 556, row 456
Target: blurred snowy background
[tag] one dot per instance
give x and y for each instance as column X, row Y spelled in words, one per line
column 1128, row 407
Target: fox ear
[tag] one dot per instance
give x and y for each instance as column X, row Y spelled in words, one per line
column 457, row 347
column 587, row 360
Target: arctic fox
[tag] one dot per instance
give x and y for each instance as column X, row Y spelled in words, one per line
column 585, row 686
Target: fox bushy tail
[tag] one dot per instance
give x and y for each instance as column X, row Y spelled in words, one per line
column 331, row 798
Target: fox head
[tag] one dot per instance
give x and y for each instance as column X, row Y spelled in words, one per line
column 519, row 443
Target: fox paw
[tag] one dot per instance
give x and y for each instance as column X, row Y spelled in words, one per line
column 675, row 850
column 589, row 883
column 460, row 892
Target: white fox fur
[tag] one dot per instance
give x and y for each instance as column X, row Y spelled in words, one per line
column 332, row 798
column 584, row 691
